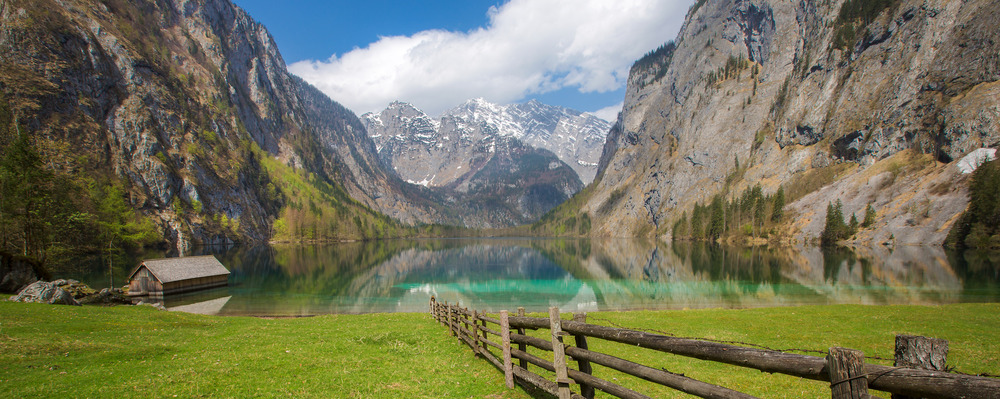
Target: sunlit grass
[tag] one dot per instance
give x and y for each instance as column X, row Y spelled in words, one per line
column 973, row 332
column 48, row 351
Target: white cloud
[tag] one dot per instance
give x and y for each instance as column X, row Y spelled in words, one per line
column 609, row 114
column 528, row 47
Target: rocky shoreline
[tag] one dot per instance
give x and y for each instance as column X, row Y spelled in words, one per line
column 70, row 292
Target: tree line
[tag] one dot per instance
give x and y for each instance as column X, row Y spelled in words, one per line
column 750, row 214
column 48, row 214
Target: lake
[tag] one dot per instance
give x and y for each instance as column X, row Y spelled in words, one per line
column 575, row 275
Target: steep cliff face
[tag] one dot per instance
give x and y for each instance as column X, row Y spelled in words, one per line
column 183, row 101
column 867, row 102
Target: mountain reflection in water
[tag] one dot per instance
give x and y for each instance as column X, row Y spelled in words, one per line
column 583, row 275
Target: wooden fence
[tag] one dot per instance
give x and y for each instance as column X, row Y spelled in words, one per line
column 916, row 375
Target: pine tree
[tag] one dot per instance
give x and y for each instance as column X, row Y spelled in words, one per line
column 717, row 223
column 835, row 229
column 779, row 205
column 869, row 217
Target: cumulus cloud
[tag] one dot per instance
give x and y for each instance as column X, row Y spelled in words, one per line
column 528, row 47
column 610, row 113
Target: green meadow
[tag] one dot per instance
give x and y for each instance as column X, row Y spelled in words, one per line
column 48, row 351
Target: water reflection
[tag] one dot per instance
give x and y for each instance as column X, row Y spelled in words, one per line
column 495, row 274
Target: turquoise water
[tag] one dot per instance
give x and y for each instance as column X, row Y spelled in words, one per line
column 575, row 275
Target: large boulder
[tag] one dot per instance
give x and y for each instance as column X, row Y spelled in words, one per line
column 107, row 297
column 45, row 292
column 17, row 272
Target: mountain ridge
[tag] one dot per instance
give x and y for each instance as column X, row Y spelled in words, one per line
column 821, row 99
column 187, row 106
column 474, row 157
column 575, row 137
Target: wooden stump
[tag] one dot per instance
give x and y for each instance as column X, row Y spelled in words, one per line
column 847, row 374
column 920, row 353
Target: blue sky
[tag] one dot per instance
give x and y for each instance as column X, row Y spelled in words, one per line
column 437, row 54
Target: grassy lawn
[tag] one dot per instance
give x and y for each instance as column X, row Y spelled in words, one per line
column 90, row 352
column 50, row 351
column 973, row 332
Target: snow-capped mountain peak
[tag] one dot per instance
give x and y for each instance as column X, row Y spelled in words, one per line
column 575, row 137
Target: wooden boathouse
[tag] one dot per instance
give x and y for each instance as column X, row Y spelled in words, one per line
column 158, row 277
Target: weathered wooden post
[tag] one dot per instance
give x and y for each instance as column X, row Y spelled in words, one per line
column 433, row 313
column 465, row 320
column 581, row 342
column 917, row 352
column 559, row 353
column 485, row 334
column 522, row 346
column 475, row 332
column 847, row 374
column 508, row 367
column 451, row 327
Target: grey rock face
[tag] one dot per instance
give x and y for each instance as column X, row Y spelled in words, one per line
column 44, row 292
column 172, row 97
column 921, row 77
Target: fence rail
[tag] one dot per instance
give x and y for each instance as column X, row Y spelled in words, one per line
column 917, row 374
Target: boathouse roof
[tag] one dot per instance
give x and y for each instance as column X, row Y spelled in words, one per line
column 169, row 270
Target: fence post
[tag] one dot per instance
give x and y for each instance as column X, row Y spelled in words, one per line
column 485, row 334
column 559, row 353
column 451, row 327
column 465, row 320
column 433, row 313
column 847, row 374
column 475, row 331
column 581, row 342
column 920, row 353
column 508, row 368
column 523, row 347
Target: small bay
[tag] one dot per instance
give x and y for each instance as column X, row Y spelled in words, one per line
column 573, row 274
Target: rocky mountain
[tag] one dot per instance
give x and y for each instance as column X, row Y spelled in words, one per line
column 187, row 106
column 433, row 152
column 477, row 158
column 867, row 102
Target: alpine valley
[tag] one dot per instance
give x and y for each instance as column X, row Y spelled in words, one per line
column 502, row 165
column 126, row 123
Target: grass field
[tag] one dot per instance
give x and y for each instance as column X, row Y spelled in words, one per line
column 48, row 351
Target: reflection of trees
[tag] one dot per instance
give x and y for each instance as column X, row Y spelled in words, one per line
column 981, row 272
column 401, row 275
column 481, row 273
column 707, row 274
